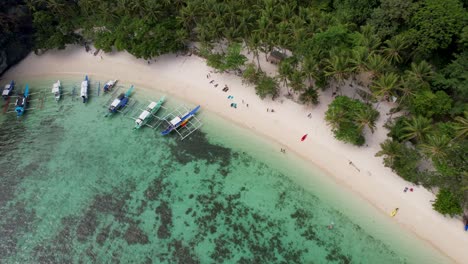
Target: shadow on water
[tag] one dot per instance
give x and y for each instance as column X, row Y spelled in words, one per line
column 17, row 141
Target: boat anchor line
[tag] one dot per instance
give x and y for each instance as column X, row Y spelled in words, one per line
column 192, row 125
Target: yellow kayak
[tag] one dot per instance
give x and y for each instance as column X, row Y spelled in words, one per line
column 394, row 212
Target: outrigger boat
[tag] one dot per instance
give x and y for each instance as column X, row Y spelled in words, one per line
column 120, row 102
column 8, row 90
column 180, row 121
column 22, row 102
column 84, row 89
column 56, row 90
column 148, row 113
column 109, row 85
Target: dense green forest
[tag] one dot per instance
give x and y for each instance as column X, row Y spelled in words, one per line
column 412, row 51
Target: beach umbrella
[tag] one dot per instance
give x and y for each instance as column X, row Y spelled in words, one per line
column 304, row 137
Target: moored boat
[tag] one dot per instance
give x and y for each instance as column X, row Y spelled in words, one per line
column 180, row 121
column 22, row 102
column 121, row 101
column 148, row 113
column 109, row 85
column 56, row 90
column 84, row 89
column 8, row 90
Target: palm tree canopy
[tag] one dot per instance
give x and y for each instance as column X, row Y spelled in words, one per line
column 416, row 128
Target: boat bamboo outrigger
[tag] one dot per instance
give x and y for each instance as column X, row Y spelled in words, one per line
column 180, row 121
column 84, row 89
column 8, row 90
column 22, row 102
column 120, row 102
column 148, row 113
column 109, row 85
column 56, row 90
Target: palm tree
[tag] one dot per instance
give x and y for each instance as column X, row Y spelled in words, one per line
column 390, row 149
column 366, row 117
column 376, row 64
column 416, row 128
column 462, row 125
column 406, row 92
column 338, row 68
column 420, row 74
column 334, row 117
column 358, row 59
column 285, row 70
column 310, row 95
column 436, row 146
column 369, row 39
column 394, row 49
column 385, row 85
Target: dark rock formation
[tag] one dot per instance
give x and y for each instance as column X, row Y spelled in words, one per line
column 16, row 32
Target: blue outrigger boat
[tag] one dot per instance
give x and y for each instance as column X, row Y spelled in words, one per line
column 120, row 102
column 109, row 85
column 84, row 89
column 180, row 121
column 22, row 102
column 8, row 90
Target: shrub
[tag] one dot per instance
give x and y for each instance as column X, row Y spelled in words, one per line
column 348, row 117
column 447, row 203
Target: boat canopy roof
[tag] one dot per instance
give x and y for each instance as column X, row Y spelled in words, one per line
column 56, row 87
column 144, row 115
column 175, row 121
column 84, row 88
column 5, row 92
column 152, row 105
column 116, row 102
column 7, row 86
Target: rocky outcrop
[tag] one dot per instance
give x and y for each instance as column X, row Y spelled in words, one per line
column 16, row 33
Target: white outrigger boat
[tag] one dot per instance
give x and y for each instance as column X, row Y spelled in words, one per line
column 84, row 89
column 148, row 113
column 56, row 90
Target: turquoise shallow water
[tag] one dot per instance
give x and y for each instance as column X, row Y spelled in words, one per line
column 76, row 187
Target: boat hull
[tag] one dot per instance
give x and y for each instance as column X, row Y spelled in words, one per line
column 182, row 122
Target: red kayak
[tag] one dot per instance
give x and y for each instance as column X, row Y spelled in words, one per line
column 304, row 137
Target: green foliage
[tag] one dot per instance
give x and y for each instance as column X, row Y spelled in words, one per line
column 250, row 74
column 416, row 128
column 266, row 85
column 348, row 117
column 354, row 11
column 309, row 96
column 447, row 203
column 48, row 33
column 429, row 104
column 391, row 16
column 397, row 131
column 454, row 77
column 436, row 24
column 233, row 57
column 401, row 159
column 231, row 61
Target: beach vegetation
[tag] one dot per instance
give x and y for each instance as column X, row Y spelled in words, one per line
column 348, row 118
column 402, row 159
column 266, row 86
column 416, row 128
column 310, row 96
column 231, row 60
column 446, row 203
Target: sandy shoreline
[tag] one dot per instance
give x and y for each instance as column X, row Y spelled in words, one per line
column 186, row 77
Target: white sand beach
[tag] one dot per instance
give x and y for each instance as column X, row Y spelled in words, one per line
column 186, row 77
